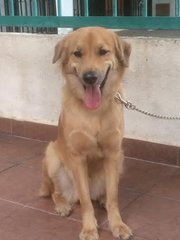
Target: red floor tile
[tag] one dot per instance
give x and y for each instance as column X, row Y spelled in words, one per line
column 46, row 204
column 16, row 150
column 20, row 184
column 149, row 199
column 169, row 185
column 34, row 225
column 154, row 218
column 7, row 208
column 141, row 175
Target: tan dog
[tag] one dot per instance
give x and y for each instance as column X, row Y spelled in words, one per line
column 85, row 161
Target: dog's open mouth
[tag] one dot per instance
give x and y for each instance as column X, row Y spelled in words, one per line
column 93, row 93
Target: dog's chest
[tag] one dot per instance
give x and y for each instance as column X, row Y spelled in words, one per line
column 83, row 142
column 92, row 135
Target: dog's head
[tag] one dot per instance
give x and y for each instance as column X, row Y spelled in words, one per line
column 92, row 60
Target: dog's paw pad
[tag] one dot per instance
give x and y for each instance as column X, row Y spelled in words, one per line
column 89, row 235
column 63, row 209
column 122, row 231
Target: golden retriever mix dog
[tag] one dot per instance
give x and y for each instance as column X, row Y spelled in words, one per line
column 85, row 161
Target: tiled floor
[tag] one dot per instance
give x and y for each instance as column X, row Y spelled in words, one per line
column 149, row 199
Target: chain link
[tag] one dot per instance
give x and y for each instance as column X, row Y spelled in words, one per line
column 131, row 106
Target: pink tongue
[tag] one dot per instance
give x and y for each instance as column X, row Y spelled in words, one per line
column 92, row 97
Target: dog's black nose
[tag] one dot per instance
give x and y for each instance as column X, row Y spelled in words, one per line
column 90, row 77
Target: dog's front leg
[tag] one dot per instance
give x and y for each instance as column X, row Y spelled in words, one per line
column 111, row 167
column 80, row 173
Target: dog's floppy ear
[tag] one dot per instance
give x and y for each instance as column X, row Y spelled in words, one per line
column 58, row 51
column 123, row 51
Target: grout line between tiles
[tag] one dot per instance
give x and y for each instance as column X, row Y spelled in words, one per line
column 21, row 162
column 23, row 138
column 12, row 202
column 150, row 194
column 28, row 138
column 101, row 226
column 12, row 166
column 30, row 158
column 158, row 163
column 36, row 209
column 140, row 195
column 141, row 238
column 40, row 210
column 165, row 198
column 51, row 213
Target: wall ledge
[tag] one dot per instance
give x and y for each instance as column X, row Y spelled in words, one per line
column 133, row 148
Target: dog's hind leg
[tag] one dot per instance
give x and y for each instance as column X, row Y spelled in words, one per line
column 46, row 188
column 52, row 184
column 62, row 207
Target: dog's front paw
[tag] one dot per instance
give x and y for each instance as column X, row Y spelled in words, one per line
column 89, row 234
column 122, row 231
column 63, row 209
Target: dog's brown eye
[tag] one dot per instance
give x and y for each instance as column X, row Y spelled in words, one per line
column 77, row 54
column 102, row 52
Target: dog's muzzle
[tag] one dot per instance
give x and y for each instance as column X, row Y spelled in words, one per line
column 90, row 77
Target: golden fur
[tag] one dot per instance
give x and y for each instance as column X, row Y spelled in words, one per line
column 85, row 161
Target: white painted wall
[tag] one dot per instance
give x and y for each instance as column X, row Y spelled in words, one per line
column 30, row 86
column 153, row 83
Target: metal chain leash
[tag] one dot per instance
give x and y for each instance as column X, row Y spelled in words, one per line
column 131, row 106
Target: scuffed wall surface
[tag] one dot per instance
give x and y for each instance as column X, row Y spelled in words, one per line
column 153, row 84
column 30, row 86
